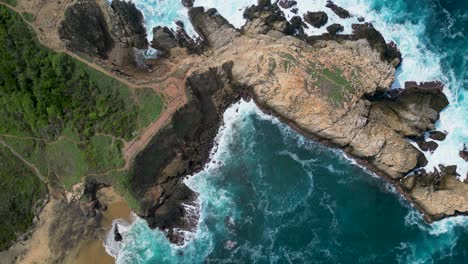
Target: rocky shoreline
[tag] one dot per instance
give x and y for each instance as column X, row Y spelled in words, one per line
column 333, row 89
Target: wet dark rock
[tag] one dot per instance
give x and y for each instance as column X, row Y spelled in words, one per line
column 437, row 135
column 361, row 19
column 341, row 12
column 188, row 3
column 295, row 10
column 117, row 236
column 179, row 149
column 388, row 52
column 464, row 152
column 316, row 19
column 333, row 29
column 84, row 29
column 163, row 39
column 430, row 146
column 449, row 170
column 286, row 4
column 126, row 23
column 269, row 17
column 214, row 29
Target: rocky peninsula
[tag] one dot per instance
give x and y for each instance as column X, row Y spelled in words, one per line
column 334, row 89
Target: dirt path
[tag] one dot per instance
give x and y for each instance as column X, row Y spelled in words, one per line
column 177, row 99
column 30, row 165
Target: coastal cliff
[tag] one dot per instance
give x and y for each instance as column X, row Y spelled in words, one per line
column 334, row 89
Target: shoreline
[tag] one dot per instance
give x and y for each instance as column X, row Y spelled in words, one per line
column 362, row 163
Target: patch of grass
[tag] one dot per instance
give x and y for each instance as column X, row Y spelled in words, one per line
column 67, row 162
column 123, row 186
column 271, row 65
column 103, row 154
column 288, row 57
column 31, row 150
column 334, row 85
column 10, row 2
column 21, row 192
column 29, row 17
column 151, row 106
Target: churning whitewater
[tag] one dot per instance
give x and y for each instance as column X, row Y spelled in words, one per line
column 271, row 196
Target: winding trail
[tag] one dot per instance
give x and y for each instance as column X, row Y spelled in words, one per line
column 171, row 102
column 30, row 165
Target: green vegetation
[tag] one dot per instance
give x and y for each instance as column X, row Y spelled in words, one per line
column 122, row 184
column 271, row 65
column 151, row 106
column 103, row 153
column 10, row 2
column 64, row 117
column 330, row 82
column 28, row 16
column 17, row 207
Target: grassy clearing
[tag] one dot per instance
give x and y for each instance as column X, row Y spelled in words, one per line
column 31, row 150
column 151, row 106
column 28, row 16
column 67, row 162
column 122, row 184
column 103, row 154
column 10, row 2
column 21, row 191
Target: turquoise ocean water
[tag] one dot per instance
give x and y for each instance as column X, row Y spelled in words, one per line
column 272, row 196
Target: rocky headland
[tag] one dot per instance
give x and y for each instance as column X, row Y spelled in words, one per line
column 334, row 89
column 331, row 88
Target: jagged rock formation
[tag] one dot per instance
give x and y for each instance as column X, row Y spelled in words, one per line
column 181, row 149
column 316, row 19
column 165, row 39
column 84, row 29
column 338, row 10
column 334, row 29
column 126, row 24
column 335, row 91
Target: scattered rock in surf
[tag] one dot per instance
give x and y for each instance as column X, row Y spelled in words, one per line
column 316, row 19
column 437, row 135
column 449, row 170
column 338, row 10
column 117, row 235
column 295, row 10
column 229, row 244
column 464, row 152
column 430, row 146
column 361, row 19
column 286, row 4
column 188, row 3
column 334, row 29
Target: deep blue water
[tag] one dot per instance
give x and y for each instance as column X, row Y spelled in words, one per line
column 276, row 197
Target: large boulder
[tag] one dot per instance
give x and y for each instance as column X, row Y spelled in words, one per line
column 338, row 10
column 188, row 3
column 163, row 39
column 388, row 52
column 286, row 4
column 214, row 29
column 127, row 24
column 334, row 29
column 316, row 19
column 84, row 29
